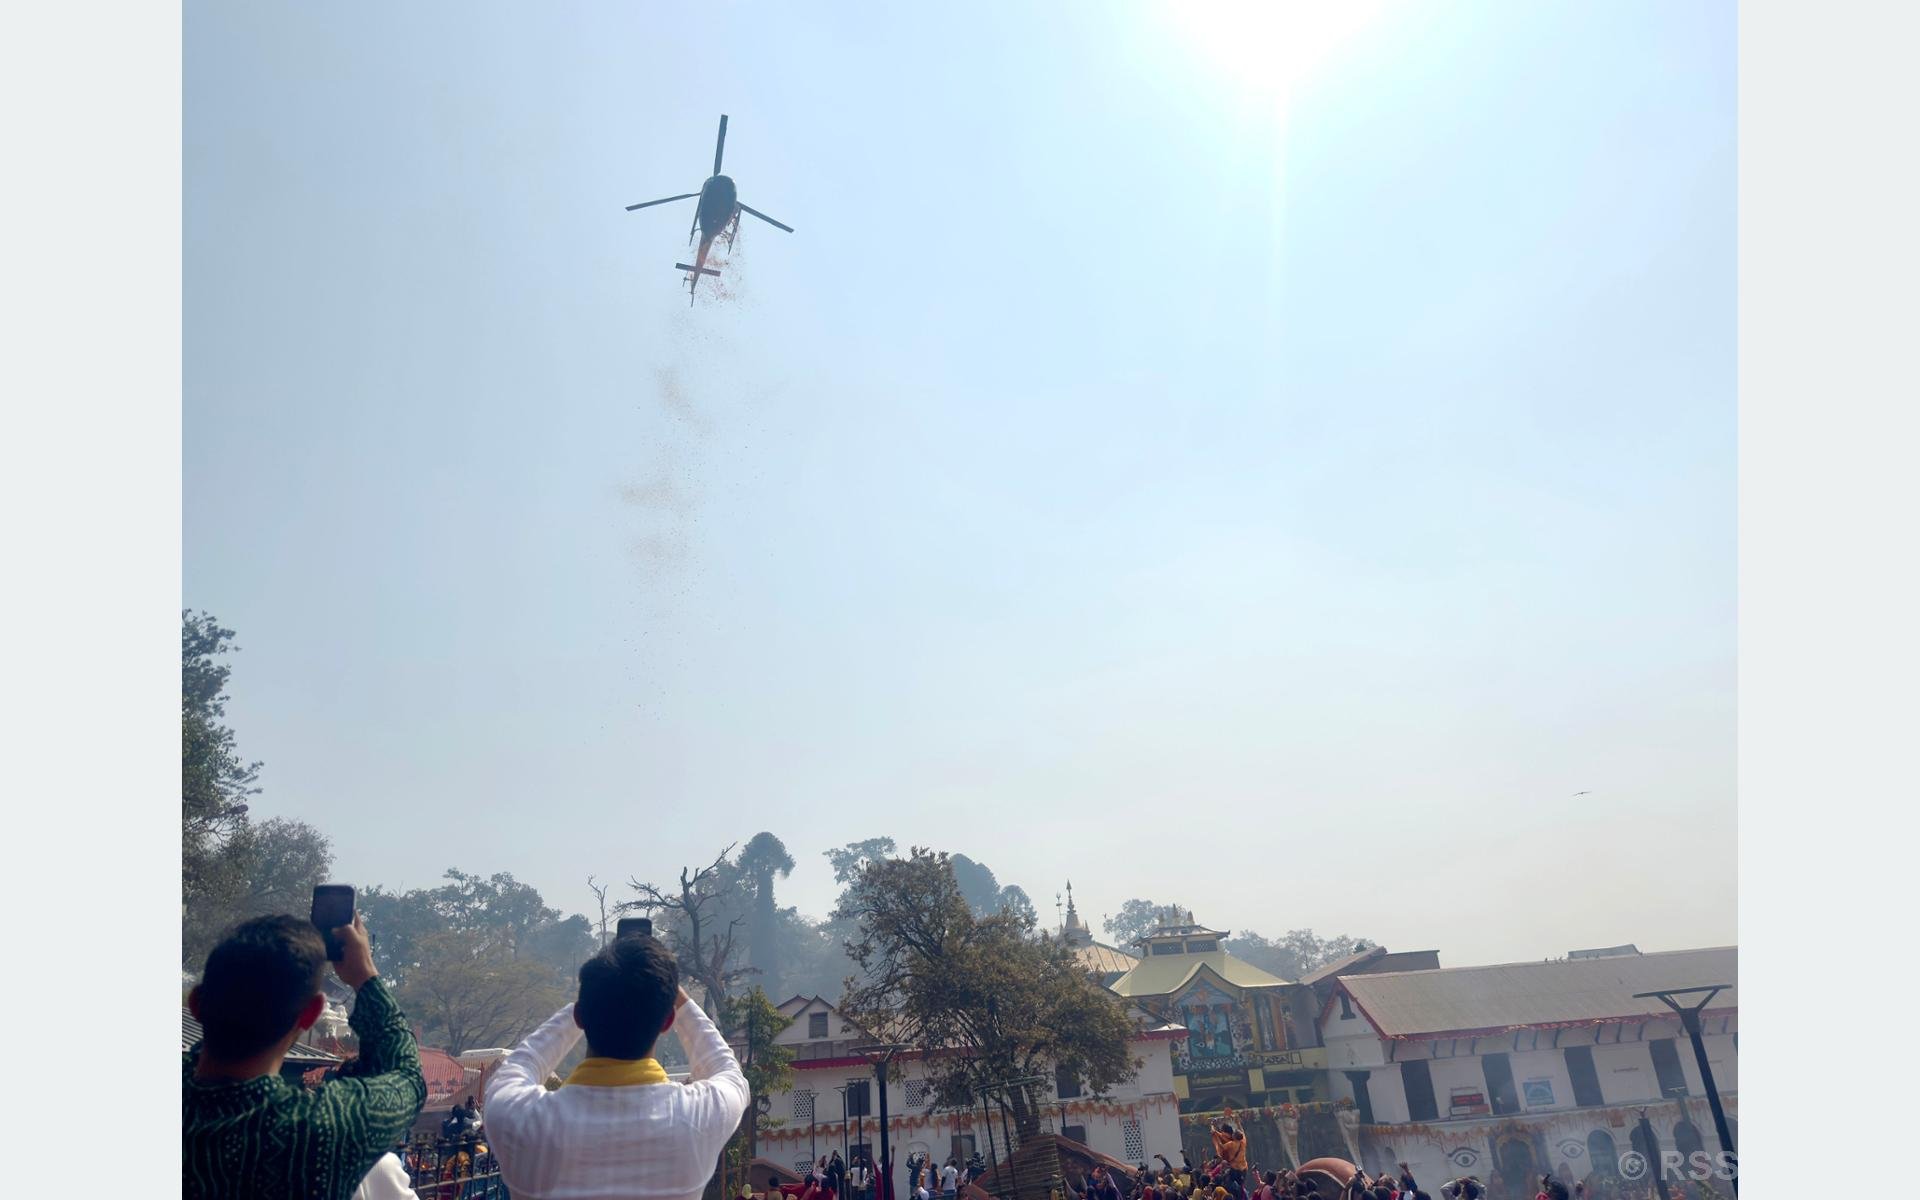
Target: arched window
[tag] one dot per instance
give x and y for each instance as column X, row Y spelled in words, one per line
column 1515, row 1164
column 1603, row 1157
column 1686, row 1139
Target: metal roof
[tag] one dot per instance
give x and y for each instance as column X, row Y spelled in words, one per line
column 1340, row 964
column 1586, row 991
column 191, row 1033
column 1102, row 959
column 1163, row 974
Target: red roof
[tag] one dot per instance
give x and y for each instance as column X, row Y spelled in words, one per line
column 445, row 1076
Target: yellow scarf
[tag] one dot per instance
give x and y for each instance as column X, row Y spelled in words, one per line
column 617, row 1072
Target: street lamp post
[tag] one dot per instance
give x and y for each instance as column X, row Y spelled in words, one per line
column 986, row 1122
column 1652, row 1143
column 1690, row 1021
column 846, row 1148
column 880, row 1055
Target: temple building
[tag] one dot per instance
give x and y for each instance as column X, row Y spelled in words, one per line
column 1239, row 1048
column 1107, row 963
column 1252, row 1038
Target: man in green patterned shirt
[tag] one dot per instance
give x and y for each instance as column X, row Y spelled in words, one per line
column 250, row 1132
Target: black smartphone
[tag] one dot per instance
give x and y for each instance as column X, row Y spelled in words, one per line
column 640, row 925
column 332, row 908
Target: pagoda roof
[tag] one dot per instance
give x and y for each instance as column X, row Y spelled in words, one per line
column 1164, row 974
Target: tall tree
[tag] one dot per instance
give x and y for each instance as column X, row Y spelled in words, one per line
column 498, row 914
column 847, row 861
column 1014, row 899
column 812, row 954
column 259, row 870
column 985, row 893
column 976, row 883
column 214, row 780
column 468, row 995
column 767, row 1065
column 230, row 869
column 1298, row 953
column 599, row 891
column 1135, row 920
column 703, row 938
column 763, row 860
column 936, row 976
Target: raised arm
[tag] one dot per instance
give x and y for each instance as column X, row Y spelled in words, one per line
column 521, row 1079
column 715, row 1083
column 381, row 1091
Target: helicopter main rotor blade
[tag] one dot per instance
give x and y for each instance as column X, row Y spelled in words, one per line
column 720, row 145
column 764, row 217
column 668, row 200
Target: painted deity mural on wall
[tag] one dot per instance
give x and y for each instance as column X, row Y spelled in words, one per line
column 1208, row 1015
column 1219, row 1029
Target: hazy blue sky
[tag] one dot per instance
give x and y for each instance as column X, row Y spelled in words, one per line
column 1241, row 462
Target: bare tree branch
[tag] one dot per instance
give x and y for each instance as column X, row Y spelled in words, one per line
column 599, row 891
column 705, row 953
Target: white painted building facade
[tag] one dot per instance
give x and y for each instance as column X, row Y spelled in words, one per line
column 833, row 1105
column 1473, row 1070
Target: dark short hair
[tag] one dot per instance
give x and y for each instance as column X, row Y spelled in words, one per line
column 256, row 981
column 626, row 992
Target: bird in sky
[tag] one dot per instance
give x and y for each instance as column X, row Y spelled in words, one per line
column 1579, row 794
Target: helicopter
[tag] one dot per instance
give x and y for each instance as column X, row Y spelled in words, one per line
column 717, row 215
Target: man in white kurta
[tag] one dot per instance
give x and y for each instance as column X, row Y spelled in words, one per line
column 617, row 1127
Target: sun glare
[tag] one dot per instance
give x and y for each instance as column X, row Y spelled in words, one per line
column 1270, row 48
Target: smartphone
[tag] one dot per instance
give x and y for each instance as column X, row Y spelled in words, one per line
column 640, row 925
column 332, row 908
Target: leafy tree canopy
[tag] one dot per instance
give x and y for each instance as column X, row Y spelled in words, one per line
column 230, row 868
column 466, row 995
column 934, row 975
column 495, row 915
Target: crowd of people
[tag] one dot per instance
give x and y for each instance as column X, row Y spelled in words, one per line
column 832, row 1178
column 615, row 1127
column 1227, row 1175
column 459, row 1166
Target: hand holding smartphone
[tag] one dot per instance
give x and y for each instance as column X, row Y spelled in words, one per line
column 332, row 908
column 634, row 926
column 349, row 946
